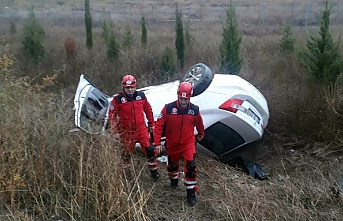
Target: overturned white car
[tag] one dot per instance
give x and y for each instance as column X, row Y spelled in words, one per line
column 235, row 113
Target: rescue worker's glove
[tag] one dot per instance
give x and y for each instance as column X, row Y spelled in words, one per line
column 158, row 150
column 150, row 151
column 199, row 137
column 151, row 129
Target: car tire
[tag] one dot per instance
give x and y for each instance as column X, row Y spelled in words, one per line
column 200, row 76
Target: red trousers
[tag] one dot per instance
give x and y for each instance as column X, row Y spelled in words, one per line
column 129, row 139
column 188, row 152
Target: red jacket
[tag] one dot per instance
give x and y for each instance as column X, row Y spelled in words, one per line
column 130, row 112
column 178, row 124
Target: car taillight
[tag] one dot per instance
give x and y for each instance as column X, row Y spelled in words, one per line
column 232, row 105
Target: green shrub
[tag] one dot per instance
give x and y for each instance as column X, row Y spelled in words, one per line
column 287, row 40
column 189, row 39
column 144, row 37
column 230, row 59
column 167, row 64
column 112, row 47
column 340, row 79
column 111, row 41
column 129, row 39
column 179, row 41
column 106, row 31
column 32, row 42
column 13, row 29
column 322, row 59
column 88, row 24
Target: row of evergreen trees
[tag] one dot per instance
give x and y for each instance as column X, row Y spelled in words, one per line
column 321, row 58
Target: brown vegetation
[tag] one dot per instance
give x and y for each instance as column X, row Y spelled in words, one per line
column 45, row 170
column 70, row 47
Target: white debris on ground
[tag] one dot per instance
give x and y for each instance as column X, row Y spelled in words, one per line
column 163, row 159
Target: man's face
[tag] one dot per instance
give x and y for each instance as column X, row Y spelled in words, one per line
column 129, row 90
column 184, row 102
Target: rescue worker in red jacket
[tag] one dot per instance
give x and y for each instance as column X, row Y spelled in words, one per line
column 126, row 119
column 178, row 120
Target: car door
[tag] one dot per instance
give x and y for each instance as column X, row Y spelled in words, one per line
column 91, row 107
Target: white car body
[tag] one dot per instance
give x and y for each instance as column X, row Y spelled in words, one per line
column 224, row 130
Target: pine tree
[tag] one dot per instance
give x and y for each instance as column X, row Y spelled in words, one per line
column 13, row 29
column 287, row 40
column 189, row 39
column 179, row 42
column 129, row 39
column 339, row 80
column 168, row 63
column 112, row 47
column 144, row 37
column 88, row 23
column 32, row 42
column 322, row 59
column 106, row 31
column 230, row 60
column 110, row 41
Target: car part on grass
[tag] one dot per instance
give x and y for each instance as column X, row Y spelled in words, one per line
column 250, row 167
column 200, row 76
column 90, row 106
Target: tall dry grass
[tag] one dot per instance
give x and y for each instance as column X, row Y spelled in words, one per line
column 46, row 170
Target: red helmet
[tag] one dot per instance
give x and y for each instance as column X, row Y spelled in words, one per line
column 185, row 90
column 129, row 81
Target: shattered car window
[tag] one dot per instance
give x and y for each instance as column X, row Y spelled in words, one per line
column 93, row 111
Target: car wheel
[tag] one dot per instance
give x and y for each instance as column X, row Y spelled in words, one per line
column 200, row 76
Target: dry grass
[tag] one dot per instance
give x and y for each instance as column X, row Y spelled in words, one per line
column 45, row 170
column 82, row 179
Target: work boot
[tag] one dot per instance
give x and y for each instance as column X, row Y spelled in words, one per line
column 155, row 174
column 191, row 197
column 174, row 183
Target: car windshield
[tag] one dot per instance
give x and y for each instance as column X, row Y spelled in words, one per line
column 220, row 139
column 93, row 111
